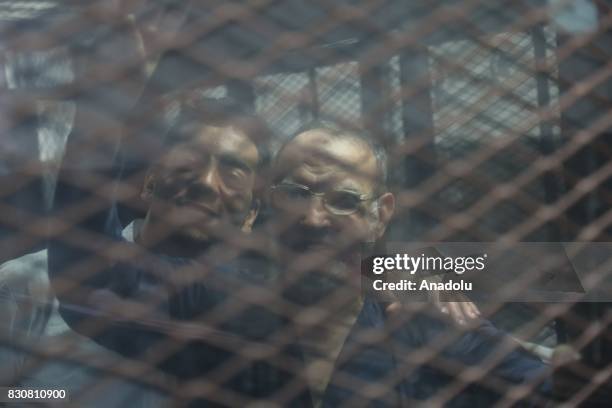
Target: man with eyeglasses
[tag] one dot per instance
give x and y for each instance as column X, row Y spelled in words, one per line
column 330, row 198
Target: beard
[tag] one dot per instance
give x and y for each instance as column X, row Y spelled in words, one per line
column 328, row 263
column 316, row 275
column 322, row 243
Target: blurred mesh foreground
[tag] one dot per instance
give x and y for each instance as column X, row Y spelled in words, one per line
column 497, row 116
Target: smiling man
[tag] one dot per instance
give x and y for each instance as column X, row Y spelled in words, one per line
column 201, row 192
column 205, row 183
column 330, row 198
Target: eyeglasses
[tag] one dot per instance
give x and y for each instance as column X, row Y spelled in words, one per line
column 337, row 202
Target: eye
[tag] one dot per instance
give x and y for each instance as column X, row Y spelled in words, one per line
column 290, row 195
column 295, row 192
column 233, row 176
column 343, row 200
column 233, row 170
column 181, row 170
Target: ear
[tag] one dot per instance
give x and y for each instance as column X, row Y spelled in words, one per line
column 386, row 208
column 251, row 216
column 148, row 188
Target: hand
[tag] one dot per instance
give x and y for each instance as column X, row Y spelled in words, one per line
column 565, row 354
column 458, row 306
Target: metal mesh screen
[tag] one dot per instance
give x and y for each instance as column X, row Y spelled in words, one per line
column 190, row 194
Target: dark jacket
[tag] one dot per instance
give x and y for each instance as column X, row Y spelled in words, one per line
column 389, row 362
column 215, row 356
column 206, row 356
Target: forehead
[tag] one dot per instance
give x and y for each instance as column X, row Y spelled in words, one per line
column 317, row 157
column 217, row 140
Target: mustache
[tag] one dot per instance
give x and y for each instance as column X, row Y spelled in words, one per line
column 185, row 203
column 181, row 194
column 191, row 190
column 303, row 236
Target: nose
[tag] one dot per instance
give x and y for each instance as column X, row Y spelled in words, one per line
column 316, row 215
column 208, row 184
column 211, row 177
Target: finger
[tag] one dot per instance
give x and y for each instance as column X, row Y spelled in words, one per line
column 467, row 314
column 470, row 310
column 394, row 307
column 456, row 312
column 407, row 309
column 565, row 354
column 443, row 307
column 440, row 305
column 475, row 309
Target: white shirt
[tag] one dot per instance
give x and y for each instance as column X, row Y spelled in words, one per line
column 30, row 319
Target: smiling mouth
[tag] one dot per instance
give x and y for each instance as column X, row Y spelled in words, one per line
column 203, row 209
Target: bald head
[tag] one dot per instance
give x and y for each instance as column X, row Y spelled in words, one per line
column 321, row 152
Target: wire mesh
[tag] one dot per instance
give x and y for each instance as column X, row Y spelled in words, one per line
column 157, row 250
